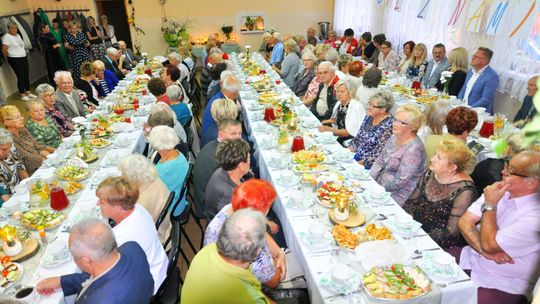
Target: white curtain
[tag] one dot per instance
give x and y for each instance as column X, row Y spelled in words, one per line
column 515, row 60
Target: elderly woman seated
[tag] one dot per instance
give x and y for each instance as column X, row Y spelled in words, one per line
column 435, row 114
column 216, row 77
column 106, row 80
column 158, row 88
column 370, row 85
column 12, row 170
column 375, row 130
column 347, row 115
column 305, row 74
column 153, row 193
column 162, row 115
column 176, row 60
column 86, row 82
column 221, row 109
column 290, row 64
column 403, row 159
column 172, row 168
column 443, row 194
column 42, row 127
column 234, row 163
column 32, row 152
column 182, row 110
column 460, row 121
column 342, row 64
column 257, row 194
column 48, row 97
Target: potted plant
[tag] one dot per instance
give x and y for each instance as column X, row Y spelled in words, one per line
column 227, row 30
column 250, row 23
column 175, row 31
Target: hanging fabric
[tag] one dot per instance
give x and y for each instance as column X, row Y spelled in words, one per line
column 28, row 29
column 35, row 28
column 44, row 18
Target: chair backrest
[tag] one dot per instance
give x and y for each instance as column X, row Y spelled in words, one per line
column 183, row 192
column 165, row 210
column 189, row 133
column 169, row 290
column 181, row 146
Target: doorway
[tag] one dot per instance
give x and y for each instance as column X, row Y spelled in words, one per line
column 116, row 11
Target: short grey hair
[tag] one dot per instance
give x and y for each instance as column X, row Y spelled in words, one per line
column 138, row 169
column 372, row 78
column 215, row 50
column 328, row 65
column 225, row 74
column 278, row 36
column 174, row 92
column 162, row 107
column 112, row 50
column 435, row 114
column 331, row 55
column 44, row 88
column 175, row 56
column 163, row 138
column 349, row 85
column 12, row 24
column 242, row 235
column 383, row 99
column 291, row 45
column 59, row 75
column 92, row 238
column 5, row 137
column 222, row 109
column 231, row 84
column 308, row 55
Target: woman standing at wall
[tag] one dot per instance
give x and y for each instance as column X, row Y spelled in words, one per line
column 13, row 50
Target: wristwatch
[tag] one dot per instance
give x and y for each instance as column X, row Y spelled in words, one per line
column 488, row 207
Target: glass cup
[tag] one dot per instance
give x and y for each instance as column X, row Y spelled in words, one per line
column 59, row 199
column 297, row 144
column 269, row 114
column 487, row 128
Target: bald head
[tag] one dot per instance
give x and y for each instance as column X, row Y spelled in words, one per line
column 121, row 45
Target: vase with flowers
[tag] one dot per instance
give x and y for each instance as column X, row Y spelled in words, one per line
column 445, row 80
column 227, row 30
column 175, row 31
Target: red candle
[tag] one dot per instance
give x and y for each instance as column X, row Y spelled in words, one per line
column 128, row 120
column 59, row 199
column 135, row 104
column 278, row 81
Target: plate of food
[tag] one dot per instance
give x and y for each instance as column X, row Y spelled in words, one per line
column 396, row 282
column 310, row 168
column 327, row 192
column 308, row 156
column 350, row 240
column 11, row 273
column 46, row 218
column 72, row 173
column 72, row 187
column 102, row 132
column 99, row 143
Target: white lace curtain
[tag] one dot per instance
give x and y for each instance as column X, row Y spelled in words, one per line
column 515, row 59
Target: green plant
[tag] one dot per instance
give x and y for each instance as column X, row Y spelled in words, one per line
column 227, row 30
column 175, row 31
column 250, row 21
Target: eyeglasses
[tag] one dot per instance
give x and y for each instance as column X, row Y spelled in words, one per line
column 401, row 122
column 512, row 171
column 479, row 57
column 48, row 94
column 375, row 106
column 15, row 117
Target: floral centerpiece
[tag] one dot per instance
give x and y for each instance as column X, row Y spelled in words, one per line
column 227, row 30
column 175, row 31
column 445, row 80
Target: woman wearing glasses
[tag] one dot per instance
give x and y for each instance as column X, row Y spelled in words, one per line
column 31, row 152
column 403, row 159
column 375, row 130
column 443, row 194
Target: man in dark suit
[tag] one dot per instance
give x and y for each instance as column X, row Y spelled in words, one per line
column 131, row 60
column 68, row 100
column 110, row 62
column 111, row 274
column 481, row 82
column 435, row 67
column 527, row 110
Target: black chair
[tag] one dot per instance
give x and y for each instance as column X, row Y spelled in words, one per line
column 189, row 137
column 165, row 210
column 181, row 146
column 169, row 291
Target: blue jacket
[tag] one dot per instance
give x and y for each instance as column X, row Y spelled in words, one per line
column 207, row 119
column 483, row 91
column 111, row 80
column 277, row 53
column 129, row 281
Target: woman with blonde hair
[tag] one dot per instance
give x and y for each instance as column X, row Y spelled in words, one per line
column 417, row 62
column 403, row 159
column 185, row 52
column 221, row 109
column 87, row 80
column 443, row 194
column 321, row 50
column 459, row 63
column 435, row 114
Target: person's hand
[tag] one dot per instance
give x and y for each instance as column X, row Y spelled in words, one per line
column 274, row 228
column 493, row 193
column 91, row 109
column 361, row 162
column 43, row 153
column 499, row 258
column 124, row 71
column 281, row 264
column 48, row 286
column 122, row 57
column 323, row 128
column 56, row 46
column 135, row 62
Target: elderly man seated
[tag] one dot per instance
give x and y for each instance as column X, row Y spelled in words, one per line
column 503, row 255
column 130, row 60
column 68, row 100
column 215, row 58
column 230, row 87
column 279, row 49
column 111, row 274
column 527, row 110
column 219, row 272
column 326, row 99
column 110, row 60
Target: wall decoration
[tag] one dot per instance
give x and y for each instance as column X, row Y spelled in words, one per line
column 424, row 7
column 251, row 23
column 523, row 18
column 174, row 31
column 496, row 14
column 457, row 12
column 476, row 11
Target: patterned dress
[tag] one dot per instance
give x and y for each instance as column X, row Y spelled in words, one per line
column 28, row 149
column 416, row 72
column 371, row 139
column 439, row 206
column 10, row 169
column 47, row 135
column 96, row 46
column 59, row 120
column 262, row 267
column 79, row 54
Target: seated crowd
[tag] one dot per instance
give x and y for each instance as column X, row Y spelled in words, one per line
column 420, row 157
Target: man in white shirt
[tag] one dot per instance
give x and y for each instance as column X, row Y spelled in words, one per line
column 118, row 202
column 325, row 100
column 435, row 66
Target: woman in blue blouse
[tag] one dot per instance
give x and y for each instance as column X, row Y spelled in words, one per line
column 417, row 62
column 375, row 130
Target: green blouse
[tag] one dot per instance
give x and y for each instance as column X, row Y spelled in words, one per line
column 49, row 136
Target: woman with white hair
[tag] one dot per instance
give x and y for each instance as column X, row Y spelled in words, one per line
column 12, row 169
column 46, row 94
column 220, row 110
column 267, row 45
column 176, row 60
column 347, row 115
column 182, row 110
column 106, row 81
column 173, row 166
column 279, row 48
column 290, row 65
column 42, row 127
column 305, row 74
column 435, row 114
column 153, row 193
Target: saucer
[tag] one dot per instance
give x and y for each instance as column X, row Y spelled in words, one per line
column 316, row 244
column 293, row 181
column 402, row 231
column 352, row 284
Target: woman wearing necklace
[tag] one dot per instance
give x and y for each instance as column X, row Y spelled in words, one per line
column 443, row 194
column 42, row 127
column 403, row 159
column 347, row 114
column 46, row 95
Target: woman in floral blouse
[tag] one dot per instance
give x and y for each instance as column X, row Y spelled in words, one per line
column 374, row 131
column 31, row 152
column 41, row 127
column 444, row 194
column 403, row 160
column 46, row 94
column 12, row 170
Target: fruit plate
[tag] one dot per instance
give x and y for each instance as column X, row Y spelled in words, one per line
column 72, row 173
column 396, row 282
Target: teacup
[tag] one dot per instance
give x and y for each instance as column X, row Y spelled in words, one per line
column 404, row 221
column 316, row 231
column 326, row 135
column 57, row 249
column 341, row 273
column 378, row 193
column 432, row 91
column 26, row 294
column 122, row 141
column 297, row 197
column 443, row 260
column 453, row 98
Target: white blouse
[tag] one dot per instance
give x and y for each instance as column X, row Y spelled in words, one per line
column 354, row 118
column 15, row 45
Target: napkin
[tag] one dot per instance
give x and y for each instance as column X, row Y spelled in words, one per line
column 382, row 253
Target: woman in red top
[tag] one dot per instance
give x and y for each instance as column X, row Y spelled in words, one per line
column 349, row 45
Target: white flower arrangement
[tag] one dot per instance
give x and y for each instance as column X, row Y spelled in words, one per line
column 445, row 76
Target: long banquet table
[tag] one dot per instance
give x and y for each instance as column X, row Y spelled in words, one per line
column 83, row 203
column 296, row 221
